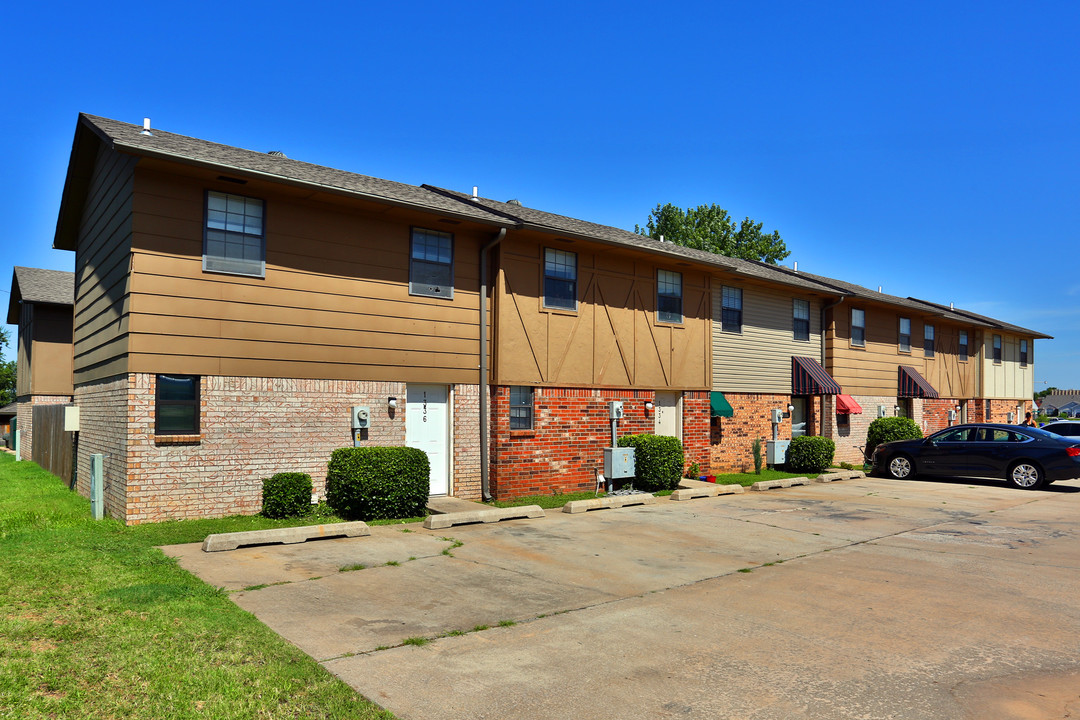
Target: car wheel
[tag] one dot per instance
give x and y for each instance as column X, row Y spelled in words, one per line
column 900, row 467
column 1025, row 475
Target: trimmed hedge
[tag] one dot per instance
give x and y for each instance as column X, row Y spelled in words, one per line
column 378, row 483
column 658, row 461
column 286, row 495
column 888, row 429
column 810, row 454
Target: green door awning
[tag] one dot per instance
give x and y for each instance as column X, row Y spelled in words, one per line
column 720, row 406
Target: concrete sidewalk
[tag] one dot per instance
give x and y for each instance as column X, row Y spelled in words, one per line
column 866, row 598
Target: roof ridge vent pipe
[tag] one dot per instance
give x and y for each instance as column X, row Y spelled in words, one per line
column 475, row 192
column 146, row 127
column 485, row 487
column 795, row 266
column 952, row 306
column 661, row 238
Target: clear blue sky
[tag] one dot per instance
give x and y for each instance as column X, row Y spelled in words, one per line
column 930, row 148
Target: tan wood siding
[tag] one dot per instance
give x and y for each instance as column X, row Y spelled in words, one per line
column 52, row 361
column 102, row 257
column 334, row 303
column 759, row 358
column 612, row 339
column 1007, row 379
column 872, row 370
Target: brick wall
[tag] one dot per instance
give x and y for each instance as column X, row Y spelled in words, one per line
column 25, row 414
column 251, row 428
column 997, row 411
column 851, row 438
column 466, row 443
column 731, row 439
column 935, row 414
column 570, row 430
column 103, row 430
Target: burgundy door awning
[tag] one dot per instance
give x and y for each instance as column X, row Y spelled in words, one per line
column 846, row 405
column 809, row 378
column 911, row 384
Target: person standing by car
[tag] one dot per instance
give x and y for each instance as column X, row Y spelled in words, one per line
column 1029, row 421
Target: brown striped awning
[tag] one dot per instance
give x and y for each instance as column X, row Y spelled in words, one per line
column 911, row 384
column 809, row 378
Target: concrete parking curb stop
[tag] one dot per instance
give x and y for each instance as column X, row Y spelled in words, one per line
column 285, row 536
column 830, row 477
column 690, row 489
column 485, row 515
column 784, row 483
column 611, row 501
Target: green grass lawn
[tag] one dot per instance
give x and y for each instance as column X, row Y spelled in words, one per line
column 95, row 622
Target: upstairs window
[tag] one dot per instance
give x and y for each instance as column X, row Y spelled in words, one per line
column 431, row 263
column 800, row 319
column 963, row 352
column 1023, row 353
column 731, row 310
column 997, row 351
column 521, row 408
column 234, row 238
column 560, row 279
column 905, row 335
column 176, row 407
column 669, row 296
column 858, row 327
column 928, row 340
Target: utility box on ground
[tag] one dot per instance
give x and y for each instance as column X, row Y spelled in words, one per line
column 776, row 452
column 618, row 462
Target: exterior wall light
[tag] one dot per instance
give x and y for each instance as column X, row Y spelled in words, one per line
column 791, row 408
column 648, row 406
column 391, row 403
column 897, row 410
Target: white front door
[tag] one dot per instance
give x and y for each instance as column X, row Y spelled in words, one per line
column 669, row 414
column 427, row 427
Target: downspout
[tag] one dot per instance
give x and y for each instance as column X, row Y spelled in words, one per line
column 485, row 490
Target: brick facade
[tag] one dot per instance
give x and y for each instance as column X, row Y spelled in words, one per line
column 24, row 411
column 850, row 437
column 103, row 429
column 570, row 430
column 466, row 442
column 731, row 439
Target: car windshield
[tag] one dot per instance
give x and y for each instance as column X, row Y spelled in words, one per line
column 1041, row 432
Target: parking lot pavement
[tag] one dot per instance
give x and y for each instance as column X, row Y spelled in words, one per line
column 869, row 598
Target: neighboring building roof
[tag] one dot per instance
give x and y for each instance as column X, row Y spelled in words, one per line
column 37, row 285
column 1060, row 399
column 10, row 409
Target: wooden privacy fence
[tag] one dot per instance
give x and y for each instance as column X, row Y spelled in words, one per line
column 53, row 449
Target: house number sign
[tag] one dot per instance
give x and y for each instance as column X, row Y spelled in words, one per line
column 425, row 407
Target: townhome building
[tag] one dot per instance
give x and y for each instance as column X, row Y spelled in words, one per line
column 41, row 305
column 241, row 313
column 233, row 308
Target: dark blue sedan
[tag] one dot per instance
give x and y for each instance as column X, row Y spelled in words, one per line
column 1026, row 457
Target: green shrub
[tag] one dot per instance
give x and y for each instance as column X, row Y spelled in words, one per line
column 810, row 454
column 376, row 483
column 658, row 461
column 756, row 450
column 286, row 495
column 888, row 429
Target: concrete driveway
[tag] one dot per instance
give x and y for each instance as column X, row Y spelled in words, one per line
column 867, row 599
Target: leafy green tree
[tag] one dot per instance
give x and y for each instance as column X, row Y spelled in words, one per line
column 7, row 374
column 710, row 228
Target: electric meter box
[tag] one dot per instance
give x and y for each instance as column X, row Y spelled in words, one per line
column 776, row 452
column 361, row 417
column 615, row 410
column 777, row 417
column 618, row 462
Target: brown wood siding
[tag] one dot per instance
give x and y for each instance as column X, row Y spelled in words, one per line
column 26, row 350
column 334, row 303
column 101, row 269
column 758, row 359
column 872, row 370
column 613, row 338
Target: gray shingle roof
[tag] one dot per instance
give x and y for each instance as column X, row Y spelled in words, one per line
column 129, row 138
column 37, row 285
column 993, row 322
